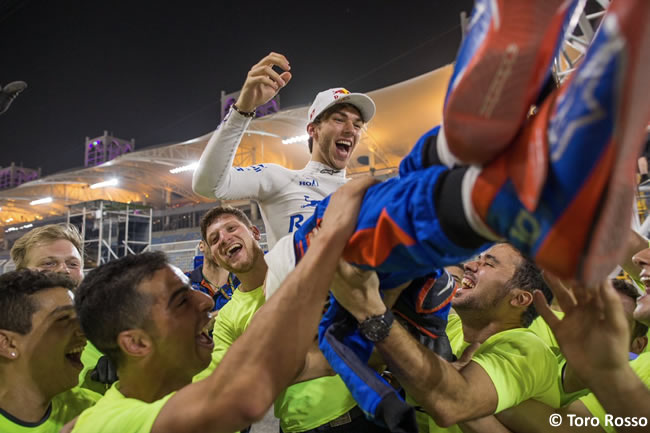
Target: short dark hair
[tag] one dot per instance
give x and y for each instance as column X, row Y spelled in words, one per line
column 325, row 115
column 108, row 301
column 528, row 277
column 16, row 305
column 211, row 216
column 627, row 289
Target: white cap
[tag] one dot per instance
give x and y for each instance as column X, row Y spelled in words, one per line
column 339, row 95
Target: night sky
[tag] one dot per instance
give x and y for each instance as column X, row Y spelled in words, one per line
column 154, row 71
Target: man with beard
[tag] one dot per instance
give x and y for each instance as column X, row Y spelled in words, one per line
column 316, row 402
column 286, row 197
column 494, row 306
column 232, row 242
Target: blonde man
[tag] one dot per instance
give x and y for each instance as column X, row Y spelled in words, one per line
column 54, row 248
column 58, row 248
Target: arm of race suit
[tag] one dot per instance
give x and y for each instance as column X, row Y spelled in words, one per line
column 215, row 176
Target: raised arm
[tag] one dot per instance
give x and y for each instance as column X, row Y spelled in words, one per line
column 593, row 336
column 215, row 175
column 271, row 352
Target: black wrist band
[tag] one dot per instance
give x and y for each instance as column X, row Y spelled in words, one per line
column 243, row 113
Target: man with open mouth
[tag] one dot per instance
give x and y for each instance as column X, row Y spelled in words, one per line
column 324, row 402
column 142, row 312
column 58, row 248
column 336, row 120
column 40, row 349
column 286, row 197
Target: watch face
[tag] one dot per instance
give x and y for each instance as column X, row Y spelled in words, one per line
column 375, row 328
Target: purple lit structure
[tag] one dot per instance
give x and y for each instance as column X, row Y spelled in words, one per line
column 273, row 106
column 14, row 175
column 102, row 149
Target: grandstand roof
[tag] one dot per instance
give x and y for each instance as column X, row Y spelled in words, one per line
column 404, row 111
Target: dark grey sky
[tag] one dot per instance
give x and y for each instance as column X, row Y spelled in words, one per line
column 154, row 71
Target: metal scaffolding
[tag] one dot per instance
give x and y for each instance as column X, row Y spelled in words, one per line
column 584, row 24
column 111, row 229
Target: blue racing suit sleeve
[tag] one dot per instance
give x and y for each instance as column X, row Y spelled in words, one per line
column 398, row 233
column 424, row 305
column 348, row 353
column 413, row 161
column 423, row 310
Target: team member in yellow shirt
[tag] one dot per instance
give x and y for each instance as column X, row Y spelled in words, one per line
column 494, row 306
column 141, row 312
column 40, row 353
column 316, row 402
column 594, row 335
column 58, row 248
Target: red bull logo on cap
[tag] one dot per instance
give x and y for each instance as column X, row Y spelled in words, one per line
column 326, row 99
column 340, row 92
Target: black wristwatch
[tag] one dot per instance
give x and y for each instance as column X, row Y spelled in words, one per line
column 377, row 328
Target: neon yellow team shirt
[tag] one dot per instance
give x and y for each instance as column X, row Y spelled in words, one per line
column 543, row 331
column 641, row 367
column 116, row 413
column 89, row 358
column 64, row 408
column 230, row 324
column 421, row 417
column 519, row 363
column 309, row 404
column 300, row 407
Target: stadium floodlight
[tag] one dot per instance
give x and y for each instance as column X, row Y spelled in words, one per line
column 23, row 227
column 296, row 139
column 110, row 182
column 188, row 167
column 41, row 201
